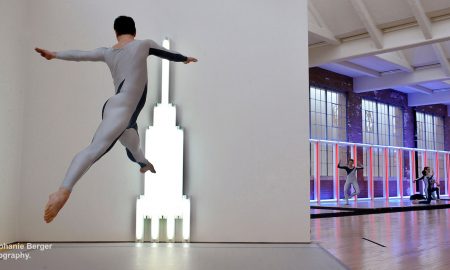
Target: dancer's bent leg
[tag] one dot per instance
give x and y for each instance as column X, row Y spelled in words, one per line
column 346, row 191
column 109, row 131
column 356, row 187
column 130, row 139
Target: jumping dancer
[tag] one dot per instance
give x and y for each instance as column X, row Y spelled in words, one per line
column 127, row 61
column 351, row 179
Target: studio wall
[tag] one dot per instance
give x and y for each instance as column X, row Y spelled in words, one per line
column 243, row 106
column 13, row 73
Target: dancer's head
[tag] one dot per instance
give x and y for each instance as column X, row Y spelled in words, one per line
column 427, row 169
column 350, row 162
column 124, row 25
column 424, row 172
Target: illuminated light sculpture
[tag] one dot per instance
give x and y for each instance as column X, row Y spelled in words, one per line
column 163, row 191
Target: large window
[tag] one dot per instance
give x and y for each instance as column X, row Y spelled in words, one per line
column 327, row 122
column 430, row 135
column 430, row 131
column 382, row 125
column 328, row 114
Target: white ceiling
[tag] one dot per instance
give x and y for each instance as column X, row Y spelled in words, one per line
column 398, row 44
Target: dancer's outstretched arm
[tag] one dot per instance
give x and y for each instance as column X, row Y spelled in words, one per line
column 339, row 165
column 74, row 55
column 157, row 50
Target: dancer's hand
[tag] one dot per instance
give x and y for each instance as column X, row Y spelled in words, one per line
column 46, row 54
column 190, row 59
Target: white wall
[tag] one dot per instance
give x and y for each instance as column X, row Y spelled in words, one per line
column 12, row 77
column 244, row 108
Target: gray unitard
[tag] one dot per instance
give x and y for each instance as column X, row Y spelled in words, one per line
column 128, row 66
column 351, row 180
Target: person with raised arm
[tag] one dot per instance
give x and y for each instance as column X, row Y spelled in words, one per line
column 127, row 61
column 351, row 179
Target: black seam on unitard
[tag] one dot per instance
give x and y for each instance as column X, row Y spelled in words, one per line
column 133, row 119
column 138, row 109
column 109, row 148
column 176, row 57
column 103, row 110
column 129, row 154
column 120, row 87
column 117, row 92
column 133, row 123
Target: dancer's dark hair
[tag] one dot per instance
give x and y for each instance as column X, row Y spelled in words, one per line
column 124, row 25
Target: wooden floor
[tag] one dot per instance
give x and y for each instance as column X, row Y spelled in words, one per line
column 403, row 240
column 326, row 209
column 192, row 256
column 376, row 204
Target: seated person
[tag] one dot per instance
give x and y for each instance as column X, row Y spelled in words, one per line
column 430, row 181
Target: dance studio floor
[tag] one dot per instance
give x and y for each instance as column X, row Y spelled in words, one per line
column 414, row 239
column 148, row 256
column 325, row 209
column 401, row 240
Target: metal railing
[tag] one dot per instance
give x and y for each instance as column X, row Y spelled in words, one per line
column 406, row 168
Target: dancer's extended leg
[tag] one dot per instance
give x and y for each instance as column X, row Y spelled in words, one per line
column 130, row 139
column 109, row 131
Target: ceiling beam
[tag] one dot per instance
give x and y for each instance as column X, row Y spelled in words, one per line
column 360, row 69
column 366, row 84
column 314, row 13
column 320, row 30
column 425, row 25
column 323, row 33
column 422, row 99
column 421, row 89
column 442, row 57
column 392, row 41
column 397, row 59
column 369, row 23
column 421, row 18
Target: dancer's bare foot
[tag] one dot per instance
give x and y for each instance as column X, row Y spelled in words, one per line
column 56, row 201
column 148, row 167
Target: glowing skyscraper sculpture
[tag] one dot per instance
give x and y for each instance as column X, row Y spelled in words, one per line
column 163, row 191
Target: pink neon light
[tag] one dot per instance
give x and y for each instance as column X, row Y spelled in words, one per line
column 400, row 173
column 337, row 173
column 317, row 173
column 355, row 157
column 413, row 169
column 371, row 172
column 448, row 173
column 437, row 168
column 386, row 172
